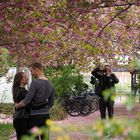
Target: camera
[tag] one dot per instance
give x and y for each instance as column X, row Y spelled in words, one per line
column 93, row 80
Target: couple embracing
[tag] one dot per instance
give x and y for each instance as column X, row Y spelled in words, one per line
column 32, row 106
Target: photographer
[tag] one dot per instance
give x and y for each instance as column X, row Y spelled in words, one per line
column 107, row 81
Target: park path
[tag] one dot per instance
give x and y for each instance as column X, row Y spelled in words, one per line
column 120, row 112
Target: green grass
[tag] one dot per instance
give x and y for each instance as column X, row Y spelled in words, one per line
column 5, row 131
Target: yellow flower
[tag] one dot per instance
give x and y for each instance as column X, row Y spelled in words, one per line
column 56, row 129
column 49, row 122
column 59, row 138
column 66, row 137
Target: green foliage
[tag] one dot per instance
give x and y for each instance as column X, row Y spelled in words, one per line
column 3, row 61
column 57, row 112
column 122, row 16
column 65, row 79
column 134, row 64
column 134, row 67
column 88, row 47
column 5, row 131
column 6, row 108
column 109, row 94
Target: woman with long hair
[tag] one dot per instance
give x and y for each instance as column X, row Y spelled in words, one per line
column 21, row 115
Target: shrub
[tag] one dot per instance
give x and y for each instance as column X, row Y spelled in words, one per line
column 5, row 131
column 7, row 108
column 57, row 112
column 65, row 79
column 4, row 54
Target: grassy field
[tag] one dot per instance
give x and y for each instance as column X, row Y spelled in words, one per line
column 5, row 131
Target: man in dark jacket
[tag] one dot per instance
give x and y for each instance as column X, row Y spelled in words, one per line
column 105, row 89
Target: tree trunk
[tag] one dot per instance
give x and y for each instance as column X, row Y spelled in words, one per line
column 17, row 66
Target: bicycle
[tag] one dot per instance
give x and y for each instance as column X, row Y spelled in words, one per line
column 84, row 105
column 72, row 107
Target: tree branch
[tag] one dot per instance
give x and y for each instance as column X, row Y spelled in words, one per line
column 110, row 23
column 99, row 6
column 11, row 43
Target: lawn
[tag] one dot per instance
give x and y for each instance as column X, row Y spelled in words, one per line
column 5, row 131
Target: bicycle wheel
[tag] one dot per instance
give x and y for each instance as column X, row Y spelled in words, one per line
column 73, row 108
column 93, row 107
column 67, row 107
column 96, row 103
column 85, row 108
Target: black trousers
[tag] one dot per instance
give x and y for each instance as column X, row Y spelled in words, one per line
column 103, row 105
column 38, row 121
column 21, row 126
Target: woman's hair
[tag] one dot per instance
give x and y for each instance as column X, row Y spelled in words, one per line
column 16, row 84
column 37, row 65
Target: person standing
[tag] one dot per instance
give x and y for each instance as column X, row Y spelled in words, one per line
column 105, row 89
column 40, row 97
column 21, row 115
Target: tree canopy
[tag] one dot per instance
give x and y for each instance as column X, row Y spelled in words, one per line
column 61, row 32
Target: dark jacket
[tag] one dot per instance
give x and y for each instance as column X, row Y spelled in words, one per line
column 104, row 81
column 24, row 111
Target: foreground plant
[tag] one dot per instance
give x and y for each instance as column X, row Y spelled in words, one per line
column 99, row 130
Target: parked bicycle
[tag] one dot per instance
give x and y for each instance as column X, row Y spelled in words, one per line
column 85, row 106
column 93, row 99
column 81, row 105
column 72, row 107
